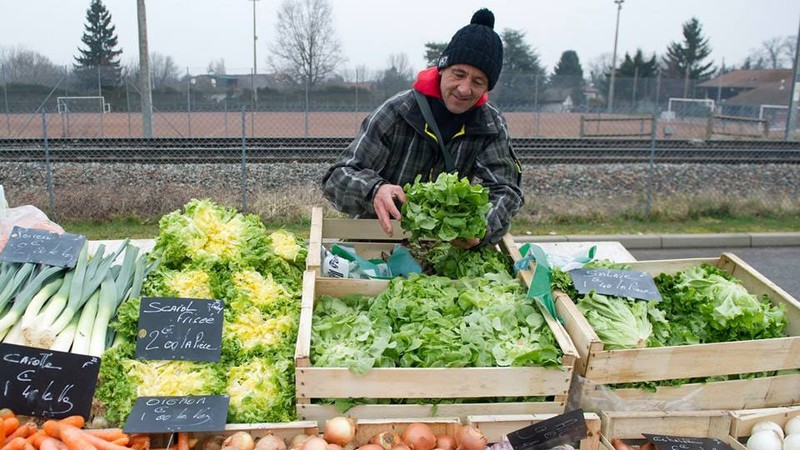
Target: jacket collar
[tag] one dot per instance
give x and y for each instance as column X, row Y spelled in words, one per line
column 428, row 83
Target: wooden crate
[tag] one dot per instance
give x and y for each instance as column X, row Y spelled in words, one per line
column 364, row 235
column 497, row 426
column 366, row 428
column 410, row 383
column 629, row 425
column 602, row 367
column 742, row 421
column 285, row 430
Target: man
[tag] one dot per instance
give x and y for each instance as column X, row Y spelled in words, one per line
column 396, row 142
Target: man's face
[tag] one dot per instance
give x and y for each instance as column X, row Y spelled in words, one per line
column 462, row 85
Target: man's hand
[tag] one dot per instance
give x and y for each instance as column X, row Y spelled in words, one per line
column 465, row 244
column 386, row 208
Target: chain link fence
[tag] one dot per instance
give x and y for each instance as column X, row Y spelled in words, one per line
column 668, row 148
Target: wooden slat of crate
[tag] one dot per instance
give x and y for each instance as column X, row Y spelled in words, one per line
column 366, row 428
column 631, row 424
column 742, row 421
column 761, row 392
column 285, row 430
column 325, row 382
column 495, row 427
column 653, row 364
column 308, row 411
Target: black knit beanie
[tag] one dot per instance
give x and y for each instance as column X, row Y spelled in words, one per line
column 477, row 45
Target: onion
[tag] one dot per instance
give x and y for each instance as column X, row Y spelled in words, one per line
column 386, row 439
column 212, row 442
column 764, row 440
column 792, row 426
column 401, row 446
column 270, row 442
column 339, row 430
column 792, row 442
column 446, row 442
column 314, row 443
column 241, row 439
column 469, row 437
column 767, row 425
column 298, row 439
column 370, row 447
column 419, row 436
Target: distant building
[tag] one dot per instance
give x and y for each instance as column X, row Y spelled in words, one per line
column 557, row 100
column 749, row 87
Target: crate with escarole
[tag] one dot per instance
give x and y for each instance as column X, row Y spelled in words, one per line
column 427, row 346
column 722, row 337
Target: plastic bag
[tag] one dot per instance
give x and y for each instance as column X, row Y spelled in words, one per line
column 343, row 262
column 27, row 216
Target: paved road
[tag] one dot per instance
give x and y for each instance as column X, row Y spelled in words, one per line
column 780, row 264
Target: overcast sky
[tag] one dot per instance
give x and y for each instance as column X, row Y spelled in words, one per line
column 195, row 32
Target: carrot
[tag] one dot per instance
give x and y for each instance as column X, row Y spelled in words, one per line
column 76, row 421
column 24, row 430
column 140, row 441
column 10, row 424
column 50, row 427
column 28, row 446
column 36, row 438
column 107, row 434
column 183, row 441
column 101, row 444
column 124, row 441
column 74, row 437
column 18, row 443
column 49, row 443
column 5, row 412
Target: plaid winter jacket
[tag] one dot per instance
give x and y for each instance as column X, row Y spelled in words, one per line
column 393, row 147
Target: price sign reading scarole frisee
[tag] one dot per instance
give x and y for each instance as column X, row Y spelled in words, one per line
column 175, row 414
column 179, row 328
column 29, row 245
column 47, row 383
column 619, row 283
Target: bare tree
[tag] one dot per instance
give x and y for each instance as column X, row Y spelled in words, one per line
column 21, row 65
column 306, row 49
column 217, row 66
column 774, row 53
column 164, row 71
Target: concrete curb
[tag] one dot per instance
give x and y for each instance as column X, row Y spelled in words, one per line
column 667, row 241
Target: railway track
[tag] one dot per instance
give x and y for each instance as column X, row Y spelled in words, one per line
column 325, row 150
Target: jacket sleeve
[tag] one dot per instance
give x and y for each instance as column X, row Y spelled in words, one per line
column 349, row 183
column 499, row 171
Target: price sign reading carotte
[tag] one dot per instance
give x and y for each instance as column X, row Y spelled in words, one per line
column 47, row 383
column 174, row 414
column 619, row 283
column 179, row 328
column 29, row 245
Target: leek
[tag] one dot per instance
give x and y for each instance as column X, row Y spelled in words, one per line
column 25, row 296
column 13, row 280
column 37, row 333
column 107, row 306
column 87, row 317
column 36, row 304
column 63, row 342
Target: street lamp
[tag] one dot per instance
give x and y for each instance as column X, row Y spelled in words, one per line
column 614, row 60
column 255, row 65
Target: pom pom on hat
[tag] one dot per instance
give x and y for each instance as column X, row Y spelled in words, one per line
column 478, row 45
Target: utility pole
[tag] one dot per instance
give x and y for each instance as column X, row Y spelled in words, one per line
column 794, row 95
column 255, row 58
column 614, row 60
column 144, row 72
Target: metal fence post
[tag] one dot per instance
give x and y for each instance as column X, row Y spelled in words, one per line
column 49, row 176
column 244, row 161
column 5, row 100
column 651, row 167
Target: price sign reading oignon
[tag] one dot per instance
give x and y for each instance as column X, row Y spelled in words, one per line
column 179, row 328
column 47, row 383
column 174, row 414
column 561, row 429
column 29, row 245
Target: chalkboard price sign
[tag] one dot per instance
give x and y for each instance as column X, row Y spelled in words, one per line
column 685, row 443
column 561, row 429
column 619, row 283
column 47, row 383
column 179, row 328
column 29, row 245
column 175, row 414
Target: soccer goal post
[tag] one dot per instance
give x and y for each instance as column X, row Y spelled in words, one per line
column 690, row 107
column 82, row 104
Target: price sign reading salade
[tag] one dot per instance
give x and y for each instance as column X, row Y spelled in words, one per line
column 29, row 245
column 619, row 283
column 47, row 383
column 179, row 328
column 176, row 414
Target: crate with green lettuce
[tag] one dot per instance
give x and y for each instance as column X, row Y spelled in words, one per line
column 208, row 251
column 721, row 337
column 434, row 214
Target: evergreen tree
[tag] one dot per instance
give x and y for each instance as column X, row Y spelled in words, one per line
column 522, row 77
column 432, row 52
column 634, row 76
column 99, row 61
column 684, row 60
column 568, row 74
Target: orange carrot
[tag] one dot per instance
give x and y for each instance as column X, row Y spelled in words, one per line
column 36, row 438
column 24, row 430
column 2, row 433
column 183, row 441
column 18, row 443
column 124, row 441
column 50, row 427
column 28, row 446
column 49, row 443
column 74, row 437
column 10, row 424
column 140, row 441
column 101, row 444
column 5, row 412
column 76, row 421
column 107, row 434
